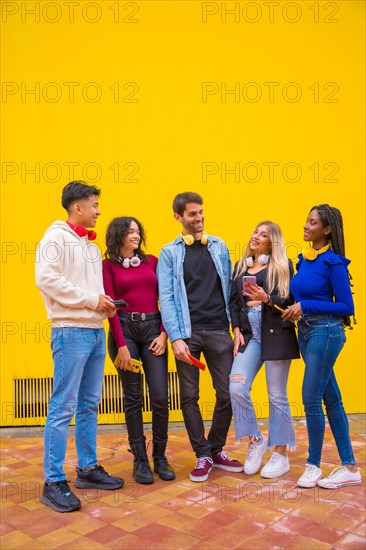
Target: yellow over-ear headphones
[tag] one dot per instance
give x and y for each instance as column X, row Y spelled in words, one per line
column 189, row 239
column 312, row 254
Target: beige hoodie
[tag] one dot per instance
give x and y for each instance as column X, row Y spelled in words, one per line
column 69, row 276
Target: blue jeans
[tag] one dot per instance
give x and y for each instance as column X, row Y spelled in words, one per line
column 321, row 339
column 78, row 356
column 244, row 370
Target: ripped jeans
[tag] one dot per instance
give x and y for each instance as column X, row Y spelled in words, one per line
column 245, row 368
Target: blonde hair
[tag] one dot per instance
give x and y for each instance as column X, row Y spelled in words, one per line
column 278, row 273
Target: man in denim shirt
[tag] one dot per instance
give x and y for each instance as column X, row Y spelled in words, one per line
column 194, row 273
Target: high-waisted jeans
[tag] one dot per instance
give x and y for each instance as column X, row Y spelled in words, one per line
column 244, row 370
column 321, row 339
column 138, row 336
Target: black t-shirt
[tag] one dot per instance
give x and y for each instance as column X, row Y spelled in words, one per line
column 205, row 299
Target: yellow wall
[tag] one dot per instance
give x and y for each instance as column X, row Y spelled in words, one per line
column 151, row 98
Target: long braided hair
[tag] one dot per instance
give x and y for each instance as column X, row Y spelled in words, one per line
column 332, row 217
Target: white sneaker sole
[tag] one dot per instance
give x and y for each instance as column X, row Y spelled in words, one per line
column 252, row 471
column 332, row 485
column 271, row 475
column 199, row 478
column 229, row 468
column 308, row 484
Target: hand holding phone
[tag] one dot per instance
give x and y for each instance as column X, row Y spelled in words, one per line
column 248, row 280
column 136, row 365
column 120, row 303
column 196, row 362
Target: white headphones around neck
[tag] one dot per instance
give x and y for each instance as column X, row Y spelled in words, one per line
column 262, row 259
column 130, row 262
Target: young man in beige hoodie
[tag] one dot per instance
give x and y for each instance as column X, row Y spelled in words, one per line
column 69, row 276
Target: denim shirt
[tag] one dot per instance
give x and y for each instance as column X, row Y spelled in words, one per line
column 172, row 290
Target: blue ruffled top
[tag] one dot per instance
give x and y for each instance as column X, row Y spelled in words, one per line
column 322, row 285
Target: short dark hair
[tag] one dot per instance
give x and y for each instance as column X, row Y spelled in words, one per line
column 76, row 191
column 180, row 201
column 116, row 231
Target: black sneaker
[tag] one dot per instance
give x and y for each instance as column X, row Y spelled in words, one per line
column 97, row 478
column 58, row 496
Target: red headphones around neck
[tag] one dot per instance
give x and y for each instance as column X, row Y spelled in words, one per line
column 83, row 231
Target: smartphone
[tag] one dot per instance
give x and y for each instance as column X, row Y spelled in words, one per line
column 120, row 303
column 136, row 365
column 196, row 362
column 248, row 280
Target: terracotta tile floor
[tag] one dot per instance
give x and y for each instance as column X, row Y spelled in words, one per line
column 228, row 511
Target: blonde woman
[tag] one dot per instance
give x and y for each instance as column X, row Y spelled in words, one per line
column 261, row 336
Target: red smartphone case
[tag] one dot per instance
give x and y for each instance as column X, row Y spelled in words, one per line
column 196, row 362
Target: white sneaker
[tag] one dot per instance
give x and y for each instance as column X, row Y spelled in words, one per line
column 310, row 477
column 276, row 466
column 254, row 458
column 340, row 477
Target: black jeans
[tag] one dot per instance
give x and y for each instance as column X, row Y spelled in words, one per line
column 138, row 336
column 217, row 347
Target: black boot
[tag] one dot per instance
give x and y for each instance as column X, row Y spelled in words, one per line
column 161, row 464
column 141, row 467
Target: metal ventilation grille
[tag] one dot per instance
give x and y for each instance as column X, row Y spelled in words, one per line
column 32, row 395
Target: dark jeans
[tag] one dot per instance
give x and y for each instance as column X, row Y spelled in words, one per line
column 138, row 336
column 321, row 339
column 217, row 347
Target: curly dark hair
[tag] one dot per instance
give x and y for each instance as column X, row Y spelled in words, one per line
column 117, row 230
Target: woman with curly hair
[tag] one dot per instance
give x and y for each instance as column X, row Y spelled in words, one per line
column 137, row 333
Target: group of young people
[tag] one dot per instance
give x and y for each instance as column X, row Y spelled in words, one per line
column 191, row 296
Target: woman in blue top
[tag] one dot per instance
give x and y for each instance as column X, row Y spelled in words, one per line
column 324, row 303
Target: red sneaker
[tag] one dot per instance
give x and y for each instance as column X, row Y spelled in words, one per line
column 221, row 460
column 202, row 469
